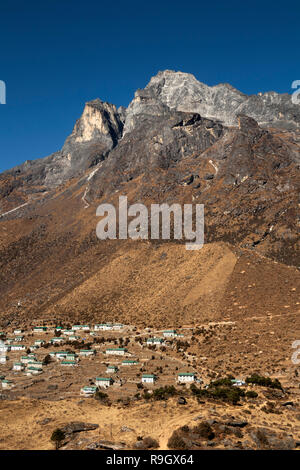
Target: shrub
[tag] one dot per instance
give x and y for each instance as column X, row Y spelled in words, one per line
column 263, row 381
column 164, row 393
column 251, row 394
column 204, row 430
column 57, row 437
column 150, row 443
column 176, row 442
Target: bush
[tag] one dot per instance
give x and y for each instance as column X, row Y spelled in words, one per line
column 57, row 437
column 204, row 430
column 163, row 393
column 176, row 442
column 263, row 381
column 227, row 393
column 251, row 394
column 150, row 443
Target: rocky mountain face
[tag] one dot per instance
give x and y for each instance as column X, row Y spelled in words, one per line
column 96, row 132
column 182, row 92
column 179, row 141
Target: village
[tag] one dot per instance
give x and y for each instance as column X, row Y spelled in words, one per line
column 61, row 362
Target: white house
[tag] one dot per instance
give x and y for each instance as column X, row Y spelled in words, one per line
column 68, row 332
column 26, row 359
column 116, row 351
column 81, row 327
column 33, row 371
column 111, row 369
column 186, row 377
column 35, row 365
column 17, row 347
column 18, row 331
column 39, row 343
column 61, row 355
column 87, row 352
column 104, row 382
column 74, row 338
column 130, row 363
column 155, row 341
column 4, row 348
column 7, row 384
column 3, row 358
column 69, row 363
column 103, row 327
column 57, row 340
column 18, row 366
column 118, row 326
column 238, row 383
column 40, row 329
column 148, row 378
column 88, row 391
column 169, row 333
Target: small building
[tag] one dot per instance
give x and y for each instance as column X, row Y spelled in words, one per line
column 57, row 340
column 74, row 338
column 60, row 355
column 130, row 363
column 186, row 377
column 40, row 329
column 4, row 348
column 155, row 341
column 103, row 327
column 3, row 358
column 39, row 343
column 18, row 366
column 238, row 383
column 32, row 356
column 111, row 369
column 71, row 356
column 58, row 328
column 7, row 384
column 118, row 326
column 87, row 352
column 116, row 351
column 35, row 365
column 18, row 331
column 81, row 327
column 67, row 332
column 17, row 347
column 88, row 391
column 69, row 363
column 169, row 333
column 148, row 378
column 33, row 370
column 104, row 382
column 25, row 359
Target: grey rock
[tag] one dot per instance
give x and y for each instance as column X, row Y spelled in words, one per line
column 183, row 92
column 181, row 401
column 237, row 423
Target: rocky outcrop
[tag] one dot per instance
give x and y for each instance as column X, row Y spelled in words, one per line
column 96, row 132
column 183, row 92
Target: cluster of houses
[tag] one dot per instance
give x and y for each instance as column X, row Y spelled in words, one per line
column 30, row 365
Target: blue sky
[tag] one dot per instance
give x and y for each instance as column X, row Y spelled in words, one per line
column 57, row 54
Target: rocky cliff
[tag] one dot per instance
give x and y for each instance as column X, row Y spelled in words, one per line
column 182, row 92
